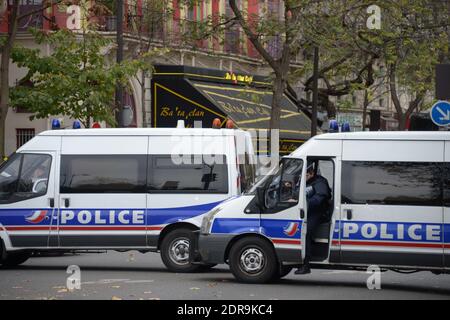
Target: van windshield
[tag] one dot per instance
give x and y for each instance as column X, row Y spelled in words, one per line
column 262, row 181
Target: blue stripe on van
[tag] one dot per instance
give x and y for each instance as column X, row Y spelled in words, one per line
column 153, row 216
column 384, row 232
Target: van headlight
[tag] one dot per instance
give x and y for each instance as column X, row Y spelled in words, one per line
column 208, row 219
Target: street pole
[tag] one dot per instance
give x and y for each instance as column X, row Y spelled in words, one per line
column 315, row 92
column 119, row 59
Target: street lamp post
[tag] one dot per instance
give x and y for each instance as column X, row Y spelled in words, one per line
column 119, row 59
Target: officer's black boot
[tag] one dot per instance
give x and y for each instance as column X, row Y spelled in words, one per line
column 304, row 269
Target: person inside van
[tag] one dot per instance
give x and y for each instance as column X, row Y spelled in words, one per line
column 290, row 190
column 318, row 194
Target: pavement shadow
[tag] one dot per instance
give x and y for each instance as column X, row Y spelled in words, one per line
column 104, row 268
column 346, row 284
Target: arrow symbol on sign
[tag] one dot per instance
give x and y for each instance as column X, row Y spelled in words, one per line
column 445, row 116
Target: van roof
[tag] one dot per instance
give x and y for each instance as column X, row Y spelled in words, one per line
column 141, row 132
column 387, row 135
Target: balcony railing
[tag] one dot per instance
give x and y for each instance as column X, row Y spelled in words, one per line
column 155, row 26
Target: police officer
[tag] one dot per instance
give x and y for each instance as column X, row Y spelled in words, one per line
column 318, row 194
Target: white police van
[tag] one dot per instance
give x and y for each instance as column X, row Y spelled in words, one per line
column 120, row 189
column 390, row 207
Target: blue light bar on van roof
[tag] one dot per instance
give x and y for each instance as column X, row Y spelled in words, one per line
column 56, row 124
column 334, row 126
column 76, row 124
column 345, row 127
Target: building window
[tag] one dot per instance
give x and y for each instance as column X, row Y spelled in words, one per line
column 23, row 136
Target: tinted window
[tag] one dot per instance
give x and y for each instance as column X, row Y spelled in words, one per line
column 282, row 190
column 393, row 183
column 24, row 176
column 194, row 174
column 447, row 185
column 9, row 176
column 246, row 172
column 103, row 174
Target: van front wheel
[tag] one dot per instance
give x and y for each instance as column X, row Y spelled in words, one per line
column 175, row 251
column 253, row 260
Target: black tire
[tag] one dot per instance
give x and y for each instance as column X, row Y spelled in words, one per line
column 175, row 251
column 282, row 271
column 260, row 257
column 15, row 258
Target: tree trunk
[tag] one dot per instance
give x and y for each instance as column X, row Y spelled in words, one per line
column 365, row 105
column 4, row 72
column 402, row 118
column 279, row 86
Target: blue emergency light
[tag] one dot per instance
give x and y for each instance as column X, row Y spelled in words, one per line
column 334, row 126
column 76, row 124
column 56, row 124
column 345, row 127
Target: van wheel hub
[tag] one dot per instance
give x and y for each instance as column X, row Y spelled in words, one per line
column 179, row 251
column 252, row 260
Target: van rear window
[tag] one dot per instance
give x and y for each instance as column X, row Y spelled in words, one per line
column 103, row 173
column 187, row 174
column 392, row 183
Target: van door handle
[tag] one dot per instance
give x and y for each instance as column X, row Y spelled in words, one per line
column 349, row 214
column 51, row 202
column 302, row 214
column 66, row 202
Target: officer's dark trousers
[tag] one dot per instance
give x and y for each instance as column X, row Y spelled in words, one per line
column 312, row 223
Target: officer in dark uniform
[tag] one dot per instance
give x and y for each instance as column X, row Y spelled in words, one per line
column 318, row 194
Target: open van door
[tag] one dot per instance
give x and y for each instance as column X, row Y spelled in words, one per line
column 284, row 217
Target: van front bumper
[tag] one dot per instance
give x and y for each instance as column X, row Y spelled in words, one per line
column 209, row 249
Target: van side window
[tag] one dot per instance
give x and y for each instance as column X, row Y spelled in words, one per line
column 447, row 184
column 188, row 174
column 282, row 189
column 103, row 173
column 391, row 183
column 246, row 172
column 24, row 176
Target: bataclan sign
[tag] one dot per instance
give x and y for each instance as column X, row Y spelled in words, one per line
column 197, row 94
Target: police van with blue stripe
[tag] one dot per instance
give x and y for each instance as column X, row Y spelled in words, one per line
column 119, row 189
column 389, row 206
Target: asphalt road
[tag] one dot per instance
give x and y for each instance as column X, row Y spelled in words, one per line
column 132, row 275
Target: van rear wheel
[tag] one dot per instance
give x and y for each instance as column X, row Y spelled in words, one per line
column 175, row 251
column 253, row 260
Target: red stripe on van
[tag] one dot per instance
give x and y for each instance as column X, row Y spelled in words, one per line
column 31, row 228
column 282, row 241
column 81, row 228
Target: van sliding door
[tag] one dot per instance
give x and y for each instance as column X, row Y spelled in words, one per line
column 103, row 192
column 391, row 203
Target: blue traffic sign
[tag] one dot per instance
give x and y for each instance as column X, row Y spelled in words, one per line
column 440, row 113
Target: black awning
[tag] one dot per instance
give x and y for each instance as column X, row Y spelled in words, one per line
column 250, row 108
column 202, row 96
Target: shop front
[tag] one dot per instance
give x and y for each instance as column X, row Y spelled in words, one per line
column 201, row 95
